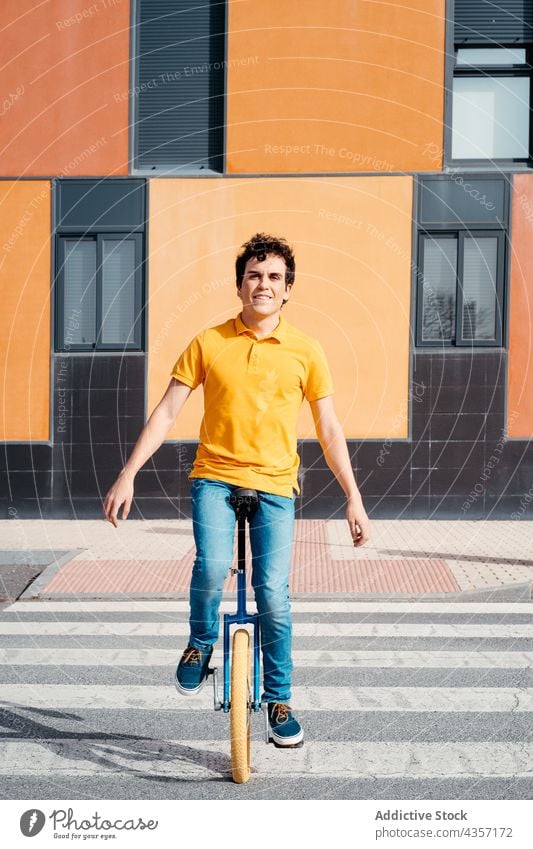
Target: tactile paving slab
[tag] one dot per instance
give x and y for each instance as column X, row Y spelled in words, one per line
column 413, row 575
column 312, row 570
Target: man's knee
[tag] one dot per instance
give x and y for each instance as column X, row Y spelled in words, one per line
column 273, row 601
column 210, row 571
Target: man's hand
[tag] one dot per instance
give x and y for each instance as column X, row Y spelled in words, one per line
column 358, row 521
column 120, row 493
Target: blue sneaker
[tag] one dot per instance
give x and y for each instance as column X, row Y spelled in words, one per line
column 285, row 728
column 191, row 673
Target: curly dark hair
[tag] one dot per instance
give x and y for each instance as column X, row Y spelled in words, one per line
column 259, row 246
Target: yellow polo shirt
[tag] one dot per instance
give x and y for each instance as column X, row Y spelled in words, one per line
column 253, row 391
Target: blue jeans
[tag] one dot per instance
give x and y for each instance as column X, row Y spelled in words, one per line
column 271, row 538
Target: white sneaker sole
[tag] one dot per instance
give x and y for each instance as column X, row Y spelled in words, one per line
column 286, row 741
column 186, row 691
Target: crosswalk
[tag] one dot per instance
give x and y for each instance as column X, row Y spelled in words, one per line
column 434, row 699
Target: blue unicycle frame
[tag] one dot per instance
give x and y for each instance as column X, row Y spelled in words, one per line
column 241, row 617
column 244, row 502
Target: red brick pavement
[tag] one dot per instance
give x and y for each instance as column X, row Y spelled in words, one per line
column 312, row 571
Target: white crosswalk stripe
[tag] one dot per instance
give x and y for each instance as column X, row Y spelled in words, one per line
column 146, row 697
column 206, row 758
column 300, row 629
column 319, row 659
column 455, row 706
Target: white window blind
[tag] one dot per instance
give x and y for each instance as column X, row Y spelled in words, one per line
column 490, row 117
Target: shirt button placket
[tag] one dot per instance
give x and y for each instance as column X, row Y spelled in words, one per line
column 254, row 355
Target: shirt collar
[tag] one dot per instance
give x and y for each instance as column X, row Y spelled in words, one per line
column 278, row 332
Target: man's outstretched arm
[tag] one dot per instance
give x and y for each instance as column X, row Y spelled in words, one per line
column 152, row 436
column 333, row 444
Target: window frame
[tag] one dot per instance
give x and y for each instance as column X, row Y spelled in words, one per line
column 452, row 71
column 98, row 238
column 460, row 340
column 486, row 70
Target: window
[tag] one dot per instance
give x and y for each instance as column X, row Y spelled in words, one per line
column 491, row 104
column 460, row 294
column 461, row 266
column 99, row 265
column 99, row 292
column 490, row 95
column 178, row 96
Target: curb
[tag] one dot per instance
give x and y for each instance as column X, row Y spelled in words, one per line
column 32, row 593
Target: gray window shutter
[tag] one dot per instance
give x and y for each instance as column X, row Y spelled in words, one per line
column 439, row 291
column 179, row 92
column 504, row 22
column 118, row 291
column 80, row 292
column 479, row 288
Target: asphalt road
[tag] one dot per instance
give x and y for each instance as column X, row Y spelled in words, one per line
column 409, row 701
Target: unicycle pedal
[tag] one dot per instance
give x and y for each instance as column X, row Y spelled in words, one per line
column 213, row 671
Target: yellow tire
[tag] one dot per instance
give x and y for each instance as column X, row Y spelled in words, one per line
column 240, row 706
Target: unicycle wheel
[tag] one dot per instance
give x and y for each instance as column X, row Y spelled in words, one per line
column 240, row 706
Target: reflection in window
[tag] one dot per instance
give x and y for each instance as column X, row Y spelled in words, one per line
column 479, row 288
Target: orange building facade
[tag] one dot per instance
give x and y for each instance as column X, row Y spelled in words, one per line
column 141, row 147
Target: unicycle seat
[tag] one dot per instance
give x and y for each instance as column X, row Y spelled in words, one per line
column 244, row 501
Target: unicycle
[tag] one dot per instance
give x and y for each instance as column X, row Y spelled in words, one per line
column 241, row 686
column 241, row 696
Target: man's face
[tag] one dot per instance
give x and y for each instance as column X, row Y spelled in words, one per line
column 263, row 286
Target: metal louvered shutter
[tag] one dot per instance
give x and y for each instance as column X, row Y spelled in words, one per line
column 179, row 91
column 494, row 21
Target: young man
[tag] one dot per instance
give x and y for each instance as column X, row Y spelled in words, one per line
column 256, row 369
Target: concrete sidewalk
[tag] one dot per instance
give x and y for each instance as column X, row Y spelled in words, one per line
column 153, row 559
